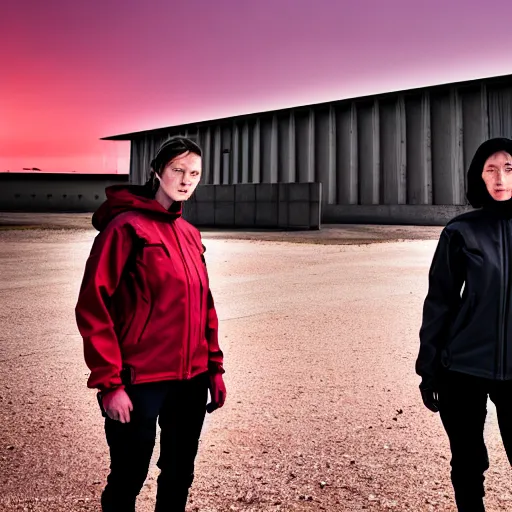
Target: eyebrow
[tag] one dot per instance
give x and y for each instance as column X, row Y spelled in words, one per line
column 494, row 166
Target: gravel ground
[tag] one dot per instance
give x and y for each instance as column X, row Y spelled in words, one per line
column 323, row 411
column 330, row 234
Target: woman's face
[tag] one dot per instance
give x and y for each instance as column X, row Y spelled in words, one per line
column 179, row 179
column 497, row 175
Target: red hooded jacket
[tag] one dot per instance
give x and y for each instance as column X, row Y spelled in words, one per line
column 145, row 306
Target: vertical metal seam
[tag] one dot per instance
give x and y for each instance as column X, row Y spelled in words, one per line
column 292, row 170
column 311, row 170
column 402, row 150
column 426, row 145
column 376, row 167
column 354, row 196
column 330, row 196
column 274, row 153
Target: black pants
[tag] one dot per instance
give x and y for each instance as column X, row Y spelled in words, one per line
column 180, row 409
column 463, row 408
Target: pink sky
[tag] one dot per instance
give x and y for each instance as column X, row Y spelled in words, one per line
column 72, row 72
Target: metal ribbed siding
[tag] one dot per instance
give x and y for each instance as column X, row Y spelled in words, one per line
column 410, row 148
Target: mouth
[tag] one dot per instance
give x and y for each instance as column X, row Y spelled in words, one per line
column 182, row 191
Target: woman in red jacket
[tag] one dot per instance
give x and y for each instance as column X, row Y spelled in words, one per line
column 149, row 326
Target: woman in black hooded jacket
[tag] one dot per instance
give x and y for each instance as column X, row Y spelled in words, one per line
column 465, row 351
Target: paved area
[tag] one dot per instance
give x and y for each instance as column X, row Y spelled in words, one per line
column 323, row 411
column 335, row 234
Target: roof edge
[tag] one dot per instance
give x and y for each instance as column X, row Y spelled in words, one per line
column 132, row 135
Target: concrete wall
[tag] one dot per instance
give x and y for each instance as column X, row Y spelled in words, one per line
column 284, row 205
column 289, row 206
column 45, row 192
column 398, row 149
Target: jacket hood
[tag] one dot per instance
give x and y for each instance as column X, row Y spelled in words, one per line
column 123, row 198
column 476, row 192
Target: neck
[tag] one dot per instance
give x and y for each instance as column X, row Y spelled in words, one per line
column 163, row 199
column 501, row 208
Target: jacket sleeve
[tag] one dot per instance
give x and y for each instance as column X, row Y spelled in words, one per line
column 215, row 355
column 103, row 271
column 446, row 277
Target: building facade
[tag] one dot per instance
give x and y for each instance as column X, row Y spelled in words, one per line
column 391, row 158
column 55, row 192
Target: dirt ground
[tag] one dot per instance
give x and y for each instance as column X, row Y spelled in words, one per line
column 323, row 410
column 336, row 234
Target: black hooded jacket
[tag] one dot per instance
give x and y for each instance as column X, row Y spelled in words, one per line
column 467, row 314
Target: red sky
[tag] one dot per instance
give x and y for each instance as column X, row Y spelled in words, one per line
column 72, row 72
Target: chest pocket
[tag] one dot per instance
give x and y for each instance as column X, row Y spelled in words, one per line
column 151, row 251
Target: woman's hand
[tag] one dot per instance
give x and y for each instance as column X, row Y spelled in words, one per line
column 430, row 399
column 117, row 405
column 217, row 392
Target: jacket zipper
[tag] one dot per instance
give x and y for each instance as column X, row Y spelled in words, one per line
column 504, row 301
column 186, row 373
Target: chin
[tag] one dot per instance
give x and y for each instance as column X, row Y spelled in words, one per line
column 501, row 197
column 181, row 197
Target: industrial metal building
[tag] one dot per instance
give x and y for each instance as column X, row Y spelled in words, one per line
column 55, row 192
column 391, row 158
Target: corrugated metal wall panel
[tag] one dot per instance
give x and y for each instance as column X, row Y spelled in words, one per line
column 410, row 148
column 418, row 149
column 347, row 163
column 500, row 111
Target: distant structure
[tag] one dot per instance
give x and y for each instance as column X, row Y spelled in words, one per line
column 398, row 157
column 54, row 192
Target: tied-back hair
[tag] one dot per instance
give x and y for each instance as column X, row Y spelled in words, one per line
column 169, row 150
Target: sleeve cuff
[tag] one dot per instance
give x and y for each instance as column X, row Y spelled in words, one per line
column 214, row 368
